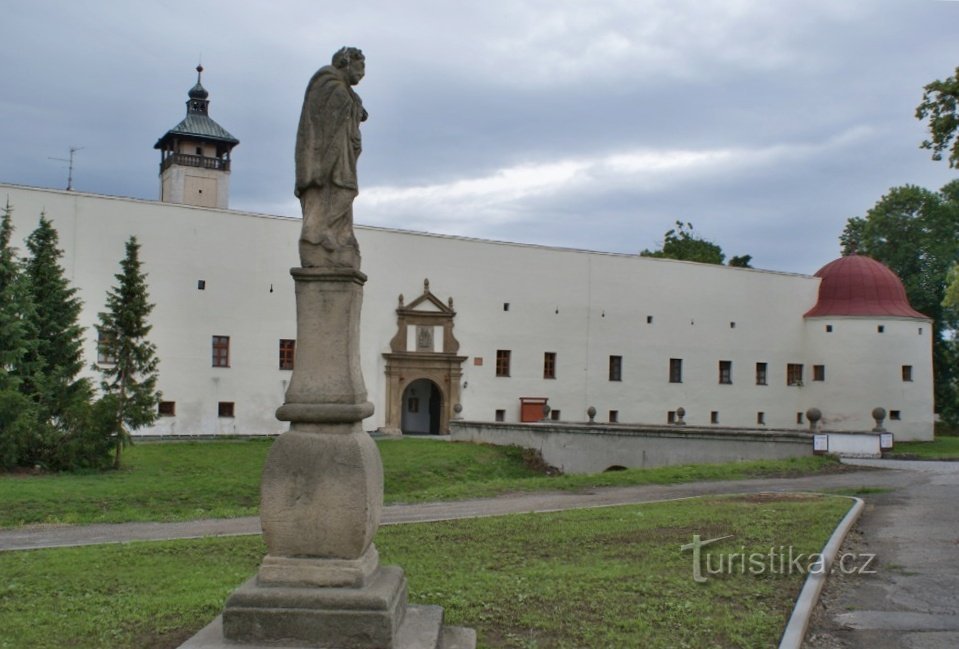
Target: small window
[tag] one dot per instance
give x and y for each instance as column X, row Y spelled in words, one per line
column 895, row 415
column 907, row 372
column 549, row 365
column 106, row 352
column 502, row 362
column 554, row 415
column 225, row 409
column 726, row 372
column 500, row 415
column 920, row 331
column 649, row 319
column 818, row 372
column 201, row 284
column 714, row 417
column 671, row 417
column 828, row 329
column 794, row 374
column 614, row 416
column 675, row 370
column 478, row 361
column 199, row 150
column 761, row 373
column 166, row 408
column 615, row 368
column 221, row 351
column 761, row 418
column 732, row 325
column 287, row 353
column 799, row 418
column 881, row 328
column 505, row 306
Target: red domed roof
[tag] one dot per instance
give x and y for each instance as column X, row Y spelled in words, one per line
column 860, row 286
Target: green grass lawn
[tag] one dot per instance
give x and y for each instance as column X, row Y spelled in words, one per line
column 190, row 480
column 943, row 448
column 608, row 577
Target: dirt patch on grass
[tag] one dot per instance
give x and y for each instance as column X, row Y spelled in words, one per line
column 534, row 461
column 657, row 535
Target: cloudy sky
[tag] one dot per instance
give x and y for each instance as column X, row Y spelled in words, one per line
column 765, row 123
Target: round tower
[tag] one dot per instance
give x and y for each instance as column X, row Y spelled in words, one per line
column 866, row 347
column 195, row 155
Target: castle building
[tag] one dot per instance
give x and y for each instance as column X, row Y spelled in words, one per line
column 487, row 330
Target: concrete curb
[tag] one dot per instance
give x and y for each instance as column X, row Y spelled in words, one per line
column 798, row 623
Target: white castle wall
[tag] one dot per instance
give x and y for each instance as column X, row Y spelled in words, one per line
column 584, row 306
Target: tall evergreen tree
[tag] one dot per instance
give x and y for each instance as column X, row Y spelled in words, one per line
column 56, row 359
column 130, row 377
column 15, row 411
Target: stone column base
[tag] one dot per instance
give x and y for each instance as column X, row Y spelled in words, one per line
column 372, row 617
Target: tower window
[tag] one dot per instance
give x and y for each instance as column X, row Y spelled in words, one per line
column 880, row 328
column 828, row 329
column 201, row 285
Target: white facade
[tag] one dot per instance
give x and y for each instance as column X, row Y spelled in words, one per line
column 582, row 306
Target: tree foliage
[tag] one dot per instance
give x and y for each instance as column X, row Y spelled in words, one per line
column 940, row 105
column 130, row 378
column 682, row 243
column 915, row 232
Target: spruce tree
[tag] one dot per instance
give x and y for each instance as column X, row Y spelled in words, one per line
column 130, row 378
column 15, row 409
column 55, row 360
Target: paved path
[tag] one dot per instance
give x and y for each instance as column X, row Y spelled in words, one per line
column 40, row 536
column 912, row 599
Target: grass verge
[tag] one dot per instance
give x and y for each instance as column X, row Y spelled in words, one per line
column 191, row 480
column 608, row 577
column 942, row 448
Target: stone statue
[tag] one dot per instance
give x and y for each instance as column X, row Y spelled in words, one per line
column 327, row 147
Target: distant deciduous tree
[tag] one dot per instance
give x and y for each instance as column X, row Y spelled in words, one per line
column 940, row 105
column 681, row 243
column 130, row 379
column 915, row 232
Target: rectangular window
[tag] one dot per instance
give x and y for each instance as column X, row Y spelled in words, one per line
column 726, row 372
column 106, row 355
column 799, row 418
column 500, row 415
column 818, row 372
column 714, row 417
column 761, row 418
column 760, row 374
column 794, row 374
column 675, row 370
column 554, row 415
column 615, row 368
column 895, row 415
column 549, row 365
column 907, row 372
column 225, row 409
column 880, row 328
column 287, row 353
column 614, row 416
column 221, row 351
column 671, row 417
column 502, row 362
column 166, row 408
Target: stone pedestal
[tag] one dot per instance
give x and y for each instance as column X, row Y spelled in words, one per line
column 321, row 584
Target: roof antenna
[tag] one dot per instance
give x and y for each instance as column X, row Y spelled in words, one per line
column 73, row 149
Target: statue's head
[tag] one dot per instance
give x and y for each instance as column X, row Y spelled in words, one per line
column 352, row 62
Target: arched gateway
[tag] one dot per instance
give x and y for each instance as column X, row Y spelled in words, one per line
column 423, row 370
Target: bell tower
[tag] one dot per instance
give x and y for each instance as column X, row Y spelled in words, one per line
column 195, row 155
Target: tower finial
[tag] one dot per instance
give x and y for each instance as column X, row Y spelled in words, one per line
column 199, row 71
